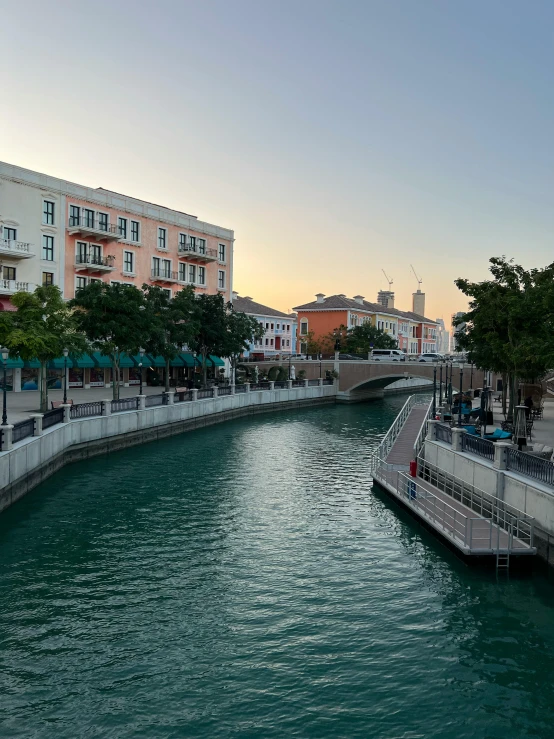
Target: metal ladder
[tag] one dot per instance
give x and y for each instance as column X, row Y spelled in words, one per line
column 503, row 560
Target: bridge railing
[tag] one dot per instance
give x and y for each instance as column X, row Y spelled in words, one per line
column 420, row 438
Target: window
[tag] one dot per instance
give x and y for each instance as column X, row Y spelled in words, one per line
column 88, row 218
column 182, row 242
column 156, row 266
column 266, row 326
column 288, row 326
column 167, row 291
column 162, row 236
column 221, row 252
column 103, row 221
column 201, row 243
column 47, row 278
column 95, row 254
column 74, row 215
column 48, row 248
column 272, row 327
column 288, row 342
column 221, row 279
column 8, row 273
column 135, row 231
column 303, row 328
column 271, row 342
column 48, row 212
column 267, row 342
column 182, row 272
column 192, row 242
column 128, row 261
column 192, row 273
column 278, row 326
column 80, row 282
column 10, row 233
column 94, row 279
column 122, row 227
column 82, row 252
column 201, row 275
column 166, row 266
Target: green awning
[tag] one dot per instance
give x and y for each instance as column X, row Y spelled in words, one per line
column 13, row 362
column 158, row 361
column 217, row 361
column 31, row 364
column 60, row 362
column 125, row 361
column 101, row 361
column 146, row 360
column 188, row 360
column 177, row 362
column 83, row 361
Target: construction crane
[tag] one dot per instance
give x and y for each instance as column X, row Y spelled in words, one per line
column 387, row 278
column 419, row 280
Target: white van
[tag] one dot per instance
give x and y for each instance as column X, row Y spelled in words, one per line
column 388, row 355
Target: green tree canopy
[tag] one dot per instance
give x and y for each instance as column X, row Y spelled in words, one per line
column 115, row 319
column 362, row 339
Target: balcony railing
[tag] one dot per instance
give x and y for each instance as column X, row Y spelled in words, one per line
column 92, row 224
column 17, row 249
column 15, row 286
column 93, row 262
column 165, row 274
column 196, row 252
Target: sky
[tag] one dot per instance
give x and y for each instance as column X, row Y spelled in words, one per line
column 337, row 138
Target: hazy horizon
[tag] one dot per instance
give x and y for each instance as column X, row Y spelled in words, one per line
column 336, row 140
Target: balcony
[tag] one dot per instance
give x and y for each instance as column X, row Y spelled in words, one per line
column 193, row 252
column 89, row 263
column 84, row 225
column 164, row 275
column 16, row 249
column 9, row 287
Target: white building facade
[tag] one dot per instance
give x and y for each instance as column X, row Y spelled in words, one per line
column 280, row 329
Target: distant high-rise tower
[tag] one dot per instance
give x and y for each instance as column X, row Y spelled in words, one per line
column 385, row 298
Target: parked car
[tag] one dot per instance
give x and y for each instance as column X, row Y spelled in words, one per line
column 430, row 357
column 347, row 356
column 388, row 355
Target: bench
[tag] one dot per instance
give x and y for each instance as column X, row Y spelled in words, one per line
column 58, row 403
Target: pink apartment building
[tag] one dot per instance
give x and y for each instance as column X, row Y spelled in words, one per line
column 57, row 232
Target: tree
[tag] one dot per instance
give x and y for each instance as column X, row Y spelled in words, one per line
column 362, row 339
column 211, row 335
column 41, row 328
column 509, row 325
column 310, row 343
column 242, row 330
column 172, row 322
column 114, row 319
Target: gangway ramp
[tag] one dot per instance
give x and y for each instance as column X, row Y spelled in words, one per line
column 474, row 522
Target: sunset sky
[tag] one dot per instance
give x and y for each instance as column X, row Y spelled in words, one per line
column 337, row 138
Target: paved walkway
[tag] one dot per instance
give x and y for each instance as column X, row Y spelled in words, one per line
column 20, row 405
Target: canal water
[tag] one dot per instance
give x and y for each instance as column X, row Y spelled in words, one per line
column 245, row 581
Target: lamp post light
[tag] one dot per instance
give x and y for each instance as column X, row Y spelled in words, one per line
column 5, row 354
column 461, row 395
column 141, row 354
column 434, row 389
column 65, row 353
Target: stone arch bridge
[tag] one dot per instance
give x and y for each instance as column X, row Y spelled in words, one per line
column 368, row 379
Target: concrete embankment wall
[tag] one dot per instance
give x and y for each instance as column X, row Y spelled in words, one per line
column 526, row 494
column 33, row 460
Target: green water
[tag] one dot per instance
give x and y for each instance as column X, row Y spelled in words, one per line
column 245, row 581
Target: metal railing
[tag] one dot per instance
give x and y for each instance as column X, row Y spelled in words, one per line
column 329, row 381
column 444, row 433
column 280, row 384
column 240, row 389
column 198, row 251
column 205, row 393
column 392, row 434
column 183, row 395
column 298, row 383
column 124, row 404
column 531, row 466
column 152, row 400
column 85, row 410
column 94, row 261
column 476, row 445
column 224, row 391
column 502, row 514
column 51, row 418
column 164, row 274
column 23, row 429
column 313, row 383
column 12, row 245
column 422, row 433
column 94, row 223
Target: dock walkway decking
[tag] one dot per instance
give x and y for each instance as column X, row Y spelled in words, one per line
column 485, row 526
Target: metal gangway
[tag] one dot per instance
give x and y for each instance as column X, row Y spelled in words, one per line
column 475, row 522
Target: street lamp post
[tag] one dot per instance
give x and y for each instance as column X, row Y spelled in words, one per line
column 434, row 389
column 290, row 360
column 5, row 354
column 65, row 353
column 440, row 384
column 320, row 370
column 471, row 377
column 141, row 353
column 460, row 399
